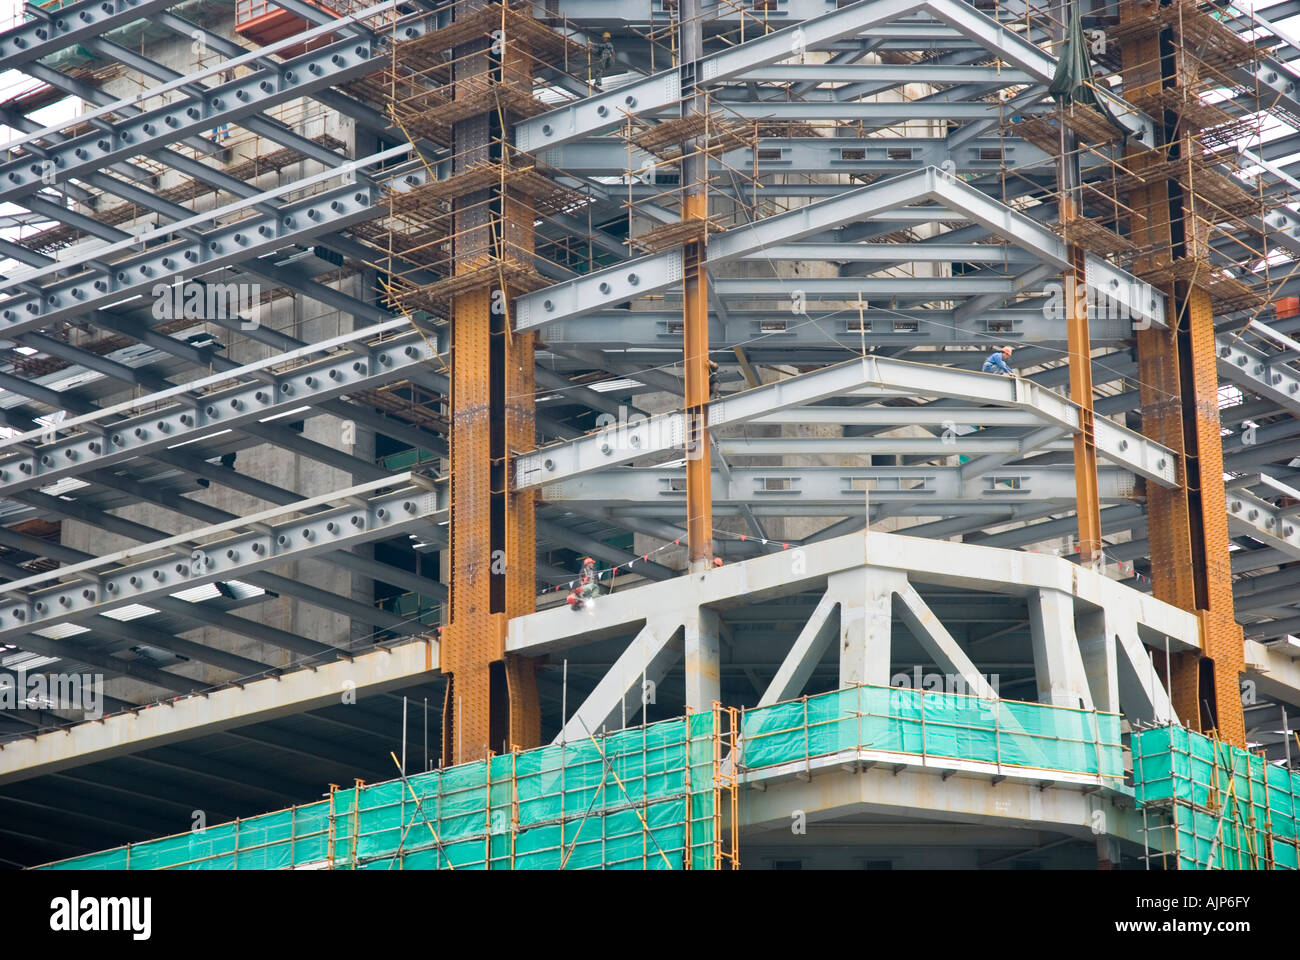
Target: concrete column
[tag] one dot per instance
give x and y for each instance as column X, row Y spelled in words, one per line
column 866, row 616
column 1096, row 635
column 701, row 650
column 1058, row 663
column 1108, row 856
column 1142, row 693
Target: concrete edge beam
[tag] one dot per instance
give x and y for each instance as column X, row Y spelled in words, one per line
column 261, row 700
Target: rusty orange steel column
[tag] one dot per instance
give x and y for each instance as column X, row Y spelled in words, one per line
column 1178, row 388
column 491, row 702
column 524, row 719
column 699, row 469
column 1087, row 495
column 695, row 307
column 1221, row 635
column 1168, row 523
column 1079, row 344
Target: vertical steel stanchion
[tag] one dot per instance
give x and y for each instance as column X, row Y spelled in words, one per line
column 922, row 695
column 997, row 734
column 858, row 746
column 807, row 750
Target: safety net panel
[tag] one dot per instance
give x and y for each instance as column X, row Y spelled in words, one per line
column 641, row 798
column 1211, row 805
column 927, row 723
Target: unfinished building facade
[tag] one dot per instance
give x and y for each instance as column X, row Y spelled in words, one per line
column 587, row 413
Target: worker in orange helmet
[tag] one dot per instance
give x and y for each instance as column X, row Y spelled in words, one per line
column 588, row 585
column 997, row 363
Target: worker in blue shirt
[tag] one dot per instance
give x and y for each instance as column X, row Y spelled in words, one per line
column 997, row 362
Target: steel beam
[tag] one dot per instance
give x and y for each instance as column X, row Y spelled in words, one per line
column 1142, row 694
column 603, row 289
column 935, row 640
column 224, row 245
column 833, row 330
column 869, row 376
column 1254, row 370
column 40, row 37
column 191, row 559
column 608, row 157
column 809, row 490
column 872, row 114
column 806, row 652
column 777, row 574
column 185, row 223
column 924, row 447
column 195, row 110
column 626, row 686
column 257, row 395
column 607, row 110
column 893, row 74
column 642, row 13
column 1274, row 526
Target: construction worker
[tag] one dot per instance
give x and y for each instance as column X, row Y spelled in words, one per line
column 603, row 58
column 997, row 363
column 713, row 379
column 588, row 585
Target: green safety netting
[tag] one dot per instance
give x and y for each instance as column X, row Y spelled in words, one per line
column 1226, row 808
column 1072, row 81
column 640, row 798
column 934, row 724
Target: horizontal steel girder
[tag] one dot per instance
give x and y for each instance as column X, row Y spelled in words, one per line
column 897, row 253
column 781, row 330
column 769, row 576
column 606, row 288
column 1254, row 371
column 190, row 560
column 817, row 289
column 296, row 353
column 890, row 73
column 955, row 418
column 258, row 701
column 257, row 395
column 942, row 446
column 609, row 109
column 194, row 111
column 870, row 376
column 1277, row 527
column 252, row 237
column 642, row 13
column 873, row 114
column 70, row 24
column 792, row 489
column 185, row 223
column 647, row 275
column 607, row 157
